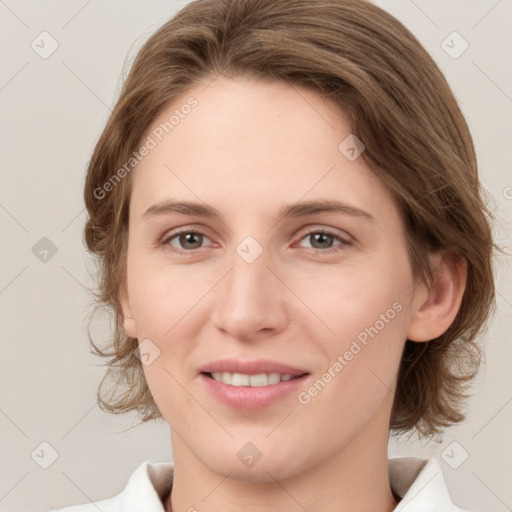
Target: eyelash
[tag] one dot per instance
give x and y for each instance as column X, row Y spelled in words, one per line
column 166, row 241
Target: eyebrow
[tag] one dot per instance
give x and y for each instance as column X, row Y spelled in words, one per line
column 301, row 209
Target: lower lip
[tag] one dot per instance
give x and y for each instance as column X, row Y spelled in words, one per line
column 251, row 398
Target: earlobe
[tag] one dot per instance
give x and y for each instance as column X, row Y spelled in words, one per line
column 128, row 321
column 435, row 309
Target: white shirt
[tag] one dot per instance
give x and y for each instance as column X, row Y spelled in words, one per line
column 418, row 482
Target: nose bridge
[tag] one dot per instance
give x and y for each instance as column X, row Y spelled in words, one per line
column 249, row 276
column 248, row 300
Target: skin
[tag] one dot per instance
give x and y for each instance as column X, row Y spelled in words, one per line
column 249, row 147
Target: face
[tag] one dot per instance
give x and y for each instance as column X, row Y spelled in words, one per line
column 286, row 274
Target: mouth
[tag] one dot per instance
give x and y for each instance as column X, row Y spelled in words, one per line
column 254, row 380
column 252, row 385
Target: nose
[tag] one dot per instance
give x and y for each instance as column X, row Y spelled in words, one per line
column 250, row 301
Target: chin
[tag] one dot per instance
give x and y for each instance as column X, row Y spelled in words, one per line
column 264, row 470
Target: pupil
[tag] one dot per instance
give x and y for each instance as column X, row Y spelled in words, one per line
column 189, row 238
column 317, row 235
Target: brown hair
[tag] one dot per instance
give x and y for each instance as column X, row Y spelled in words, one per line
column 416, row 138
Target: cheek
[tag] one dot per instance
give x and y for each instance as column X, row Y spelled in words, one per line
column 364, row 318
column 162, row 298
column 361, row 357
column 344, row 302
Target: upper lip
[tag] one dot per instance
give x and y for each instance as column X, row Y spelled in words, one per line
column 250, row 367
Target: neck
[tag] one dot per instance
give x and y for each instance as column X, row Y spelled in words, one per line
column 354, row 478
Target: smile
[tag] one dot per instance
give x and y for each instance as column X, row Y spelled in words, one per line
column 252, row 392
column 243, row 379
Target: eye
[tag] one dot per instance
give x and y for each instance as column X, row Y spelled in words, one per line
column 322, row 240
column 188, row 240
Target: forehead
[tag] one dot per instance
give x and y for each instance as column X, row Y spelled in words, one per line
column 246, row 144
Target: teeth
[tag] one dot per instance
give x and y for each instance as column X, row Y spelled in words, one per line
column 239, row 379
column 273, row 378
column 260, row 379
column 242, row 379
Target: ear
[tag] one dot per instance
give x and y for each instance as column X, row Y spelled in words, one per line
column 128, row 321
column 435, row 309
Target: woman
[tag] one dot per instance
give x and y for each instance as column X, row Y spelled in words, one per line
column 286, row 207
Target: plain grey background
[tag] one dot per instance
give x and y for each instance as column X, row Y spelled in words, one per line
column 52, row 110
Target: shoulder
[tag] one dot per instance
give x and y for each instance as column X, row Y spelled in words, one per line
column 145, row 490
column 421, row 485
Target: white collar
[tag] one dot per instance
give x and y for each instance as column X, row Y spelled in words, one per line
column 418, row 482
